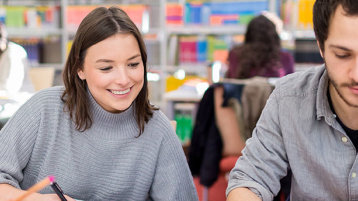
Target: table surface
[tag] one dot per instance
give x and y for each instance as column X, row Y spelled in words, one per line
column 11, row 102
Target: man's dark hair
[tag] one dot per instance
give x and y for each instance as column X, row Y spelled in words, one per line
column 323, row 11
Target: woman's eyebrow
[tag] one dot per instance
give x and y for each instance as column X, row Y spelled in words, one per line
column 135, row 56
column 109, row 60
column 104, row 60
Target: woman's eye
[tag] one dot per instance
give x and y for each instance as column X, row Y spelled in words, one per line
column 106, row 68
column 133, row 64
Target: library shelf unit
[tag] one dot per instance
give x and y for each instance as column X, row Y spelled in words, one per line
column 46, row 27
column 185, row 27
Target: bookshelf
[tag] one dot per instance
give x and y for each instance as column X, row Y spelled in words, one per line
column 200, row 32
column 212, row 26
column 36, row 25
column 226, row 21
column 215, row 23
column 206, row 29
column 56, row 21
column 46, row 28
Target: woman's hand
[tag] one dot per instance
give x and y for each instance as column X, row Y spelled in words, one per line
column 53, row 197
column 47, row 197
column 10, row 193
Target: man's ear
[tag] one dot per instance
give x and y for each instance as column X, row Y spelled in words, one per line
column 81, row 74
column 320, row 49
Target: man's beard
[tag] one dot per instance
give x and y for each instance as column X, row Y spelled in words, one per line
column 337, row 89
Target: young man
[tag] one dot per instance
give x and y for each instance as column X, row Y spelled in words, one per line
column 310, row 123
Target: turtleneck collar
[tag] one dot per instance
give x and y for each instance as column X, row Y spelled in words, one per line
column 112, row 122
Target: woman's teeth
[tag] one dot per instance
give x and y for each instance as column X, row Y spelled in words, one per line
column 120, row 92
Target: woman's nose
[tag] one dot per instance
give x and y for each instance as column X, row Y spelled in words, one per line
column 121, row 76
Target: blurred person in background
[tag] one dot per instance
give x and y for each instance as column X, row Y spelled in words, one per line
column 261, row 53
column 13, row 65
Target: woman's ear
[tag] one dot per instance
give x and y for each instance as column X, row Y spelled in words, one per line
column 81, row 74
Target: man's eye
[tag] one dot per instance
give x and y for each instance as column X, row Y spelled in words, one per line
column 133, row 64
column 342, row 56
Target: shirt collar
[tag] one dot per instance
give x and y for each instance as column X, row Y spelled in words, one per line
column 322, row 105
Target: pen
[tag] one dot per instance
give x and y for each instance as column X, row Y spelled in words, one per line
column 55, row 187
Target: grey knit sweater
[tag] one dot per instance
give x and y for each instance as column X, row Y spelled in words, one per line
column 106, row 162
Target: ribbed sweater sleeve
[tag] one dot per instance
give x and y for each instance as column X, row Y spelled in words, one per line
column 172, row 174
column 17, row 139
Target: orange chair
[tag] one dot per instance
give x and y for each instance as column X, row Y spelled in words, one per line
column 217, row 191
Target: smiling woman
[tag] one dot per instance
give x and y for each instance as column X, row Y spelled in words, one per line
column 115, row 145
column 114, row 75
column 104, row 40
